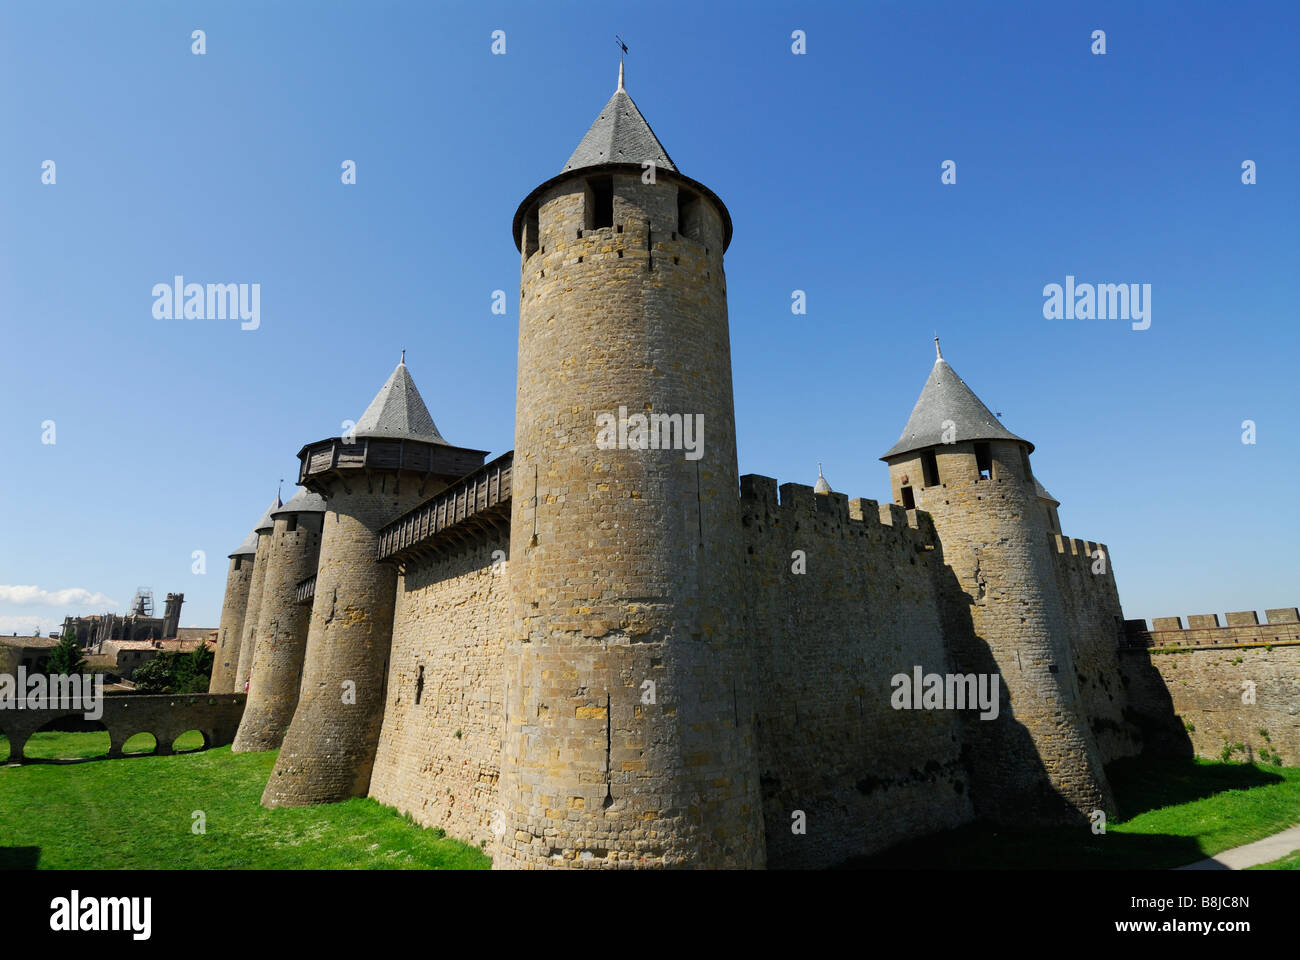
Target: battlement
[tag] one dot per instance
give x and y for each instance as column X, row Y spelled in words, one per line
column 1243, row 629
column 796, row 503
column 1072, row 546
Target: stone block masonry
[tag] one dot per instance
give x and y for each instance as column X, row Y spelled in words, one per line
column 1234, row 687
column 439, row 753
column 166, row 716
column 225, row 662
column 827, row 640
column 281, row 637
column 329, row 749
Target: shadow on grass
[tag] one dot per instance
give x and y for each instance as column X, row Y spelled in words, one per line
column 19, row 858
column 1140, row 784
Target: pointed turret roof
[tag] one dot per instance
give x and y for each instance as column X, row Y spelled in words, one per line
column 945, row 396
column 619, row 135
column 1042, row 493
column 248, row 548
column 266, row 524
column 304, row 501
column 821, row 486
column 398, row 412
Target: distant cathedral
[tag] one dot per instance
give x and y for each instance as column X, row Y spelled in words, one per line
column 585, row 655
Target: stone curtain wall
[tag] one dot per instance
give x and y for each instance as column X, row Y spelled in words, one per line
column 439, row 754
column 826, row 643
column 1096, row 627
column 1206, row 669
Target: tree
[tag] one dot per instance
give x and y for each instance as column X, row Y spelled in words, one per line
column 156, row 676
column 194, row 672
column 65, row 658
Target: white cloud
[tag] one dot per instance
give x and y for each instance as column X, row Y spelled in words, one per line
column 24, row 596
column 27, row 626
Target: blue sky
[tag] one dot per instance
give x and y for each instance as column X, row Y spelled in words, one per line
column 171, row 435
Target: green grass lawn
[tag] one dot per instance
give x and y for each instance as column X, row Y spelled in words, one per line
column 1176, row 812
column 137, row 813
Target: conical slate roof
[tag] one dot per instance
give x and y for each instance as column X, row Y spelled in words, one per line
column 945, row 396
column 619, row 135
column 304, row 501
column 266, row 524
column 398, row 412
column 1043, row 494
column 248, row 548
column 821, row 486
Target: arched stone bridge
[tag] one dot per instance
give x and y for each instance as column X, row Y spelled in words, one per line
column 164, row 715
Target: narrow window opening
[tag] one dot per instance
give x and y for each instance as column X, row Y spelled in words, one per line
column 419, row 685
column 909, row 501
column 239, row 562
column 675, row 260
column 580, row 259
column 620, row 254
column 291, row 524
column 983, row 461
column 930, row 469
column 619, row 228
column 602, row 202
column 688, row 214
column 530, row 233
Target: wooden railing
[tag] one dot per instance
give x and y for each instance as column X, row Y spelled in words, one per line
column 306, row 590
column 479, row 500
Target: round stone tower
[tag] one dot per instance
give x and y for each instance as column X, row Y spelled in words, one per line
column 282, row 629
column 248, row 630
column 239, row 578
column 628, row 733
column 1037, row 761
column 393, row 460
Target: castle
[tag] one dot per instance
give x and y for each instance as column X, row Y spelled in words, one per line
column 615, row 655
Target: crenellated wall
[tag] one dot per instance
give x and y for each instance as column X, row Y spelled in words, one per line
column 826, row 644
column 1233, row 686
column 1095, row 621
column 439, row 754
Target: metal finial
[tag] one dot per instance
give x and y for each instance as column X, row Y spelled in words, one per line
column 622, row 50
column 819, row 468
column 938, row 355
column 403, row 360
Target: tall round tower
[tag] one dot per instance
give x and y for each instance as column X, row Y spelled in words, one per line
column 239, row 578
column 1037, row 761
column 628, row 735
column 248, row 631
column 394, row 459
column 282, row 629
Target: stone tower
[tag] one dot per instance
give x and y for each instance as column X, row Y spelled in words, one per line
column 628, row 729
column 1003, row 613
column 393, row 460
column 254, row 609
column 172, row 615
column 238, row 580
column 282, row 629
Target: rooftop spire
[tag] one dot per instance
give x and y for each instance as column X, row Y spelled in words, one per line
column 620, row 74
column 403, row 360
column 938, row 355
